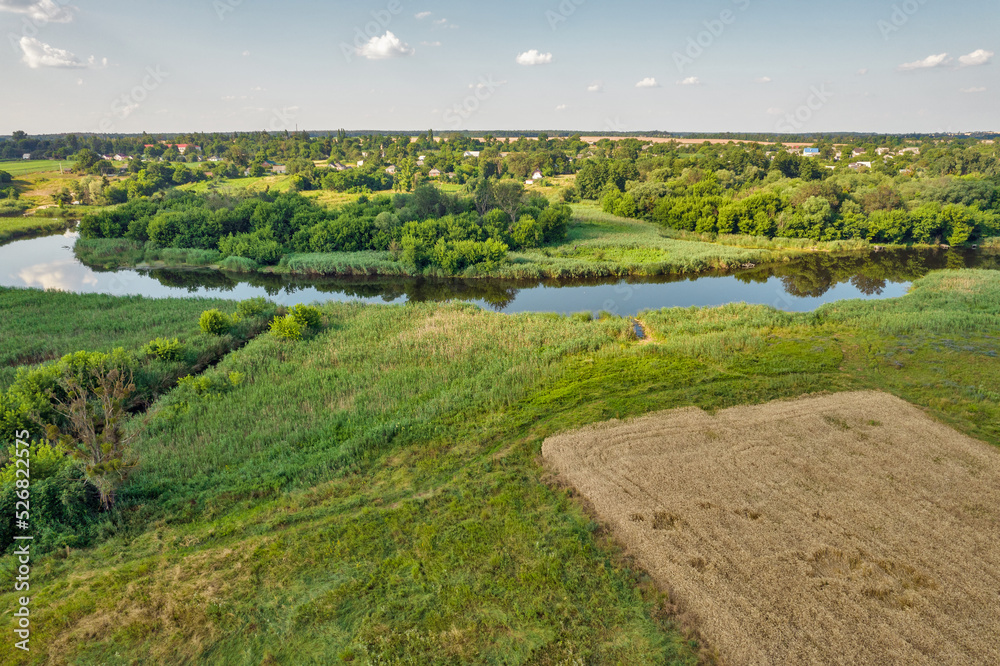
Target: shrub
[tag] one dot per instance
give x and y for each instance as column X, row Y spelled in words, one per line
column 214, row 322
column 287, row 328
column 253, row 307
column 307, row 316
column 165, row 349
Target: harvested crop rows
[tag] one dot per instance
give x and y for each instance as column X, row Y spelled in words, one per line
column 845, row 529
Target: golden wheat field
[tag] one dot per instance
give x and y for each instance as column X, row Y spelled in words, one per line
column 844, row 529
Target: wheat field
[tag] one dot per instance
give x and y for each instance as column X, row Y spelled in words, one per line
column 843, row 529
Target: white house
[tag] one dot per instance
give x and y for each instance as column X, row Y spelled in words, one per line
column 471, row 153
column 810, row 152
column 858, row 152
column 391, row 169
column 858, row 165
column 882, row 151
column 912, row 151
column 26, row 156
column 537, row 175
column 279, row 168
column 361, row 163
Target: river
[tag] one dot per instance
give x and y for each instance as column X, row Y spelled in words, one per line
column 796, row 286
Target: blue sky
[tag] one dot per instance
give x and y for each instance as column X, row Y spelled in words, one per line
column 721, row 65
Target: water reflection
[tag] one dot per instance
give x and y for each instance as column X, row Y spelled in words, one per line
column 49, row 263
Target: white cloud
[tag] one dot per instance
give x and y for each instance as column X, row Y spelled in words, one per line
column 978, row 57
column 974, row 90
column 38, row 54
column 422, row 15
column 39, row 10
column 430, row 43
column 385, row 47
column 929, row 62
column 648, row 82
column 596, row 87
column 534, row 57
column 763, row 79
column 561, row 107
column 690, row 81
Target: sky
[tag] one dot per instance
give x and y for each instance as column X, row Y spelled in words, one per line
column 125, row 66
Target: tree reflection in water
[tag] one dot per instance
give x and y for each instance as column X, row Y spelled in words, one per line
column 811, row 276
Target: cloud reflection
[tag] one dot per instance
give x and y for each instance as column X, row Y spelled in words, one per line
column 61, row 275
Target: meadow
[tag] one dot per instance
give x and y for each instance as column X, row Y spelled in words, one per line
column 16, row 228
column 42, row 326
column 24, row 167
column 374, row 492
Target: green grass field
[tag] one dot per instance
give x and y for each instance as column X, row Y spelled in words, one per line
column 23, row 167
column 41, row 326
column 373, row 494
column 14, row 228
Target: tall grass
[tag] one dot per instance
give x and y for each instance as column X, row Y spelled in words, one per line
column 40, row 326
column 26, row 227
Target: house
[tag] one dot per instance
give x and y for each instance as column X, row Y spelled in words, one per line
column 420, row 160
column 471, row 153
column 339, row 167
column 435, row 173
column 452, row 175
column 537, row 175
column 279, row 168
column 183, row 147
column 529, row 182
column 122, row 158
column 391, row 169
column 858, row 165
column 361, row 163
column 810, row 152
column 912, row 151
column 882, row 151
column 26, row 156
column 858, row 152
column 214, row 158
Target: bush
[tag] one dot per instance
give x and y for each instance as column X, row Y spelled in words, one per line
column 253, row 307
column 287, row 328
column 307, row 316
column 214, row 322
column 165, row 349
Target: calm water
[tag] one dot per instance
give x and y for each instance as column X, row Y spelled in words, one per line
column 49, row 263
